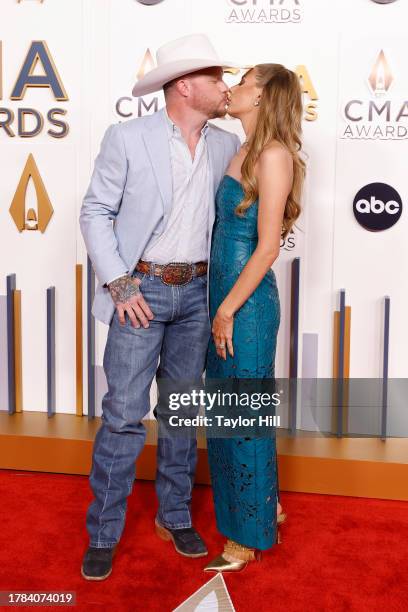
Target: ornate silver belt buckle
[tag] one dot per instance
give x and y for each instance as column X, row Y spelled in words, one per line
column 167, row 274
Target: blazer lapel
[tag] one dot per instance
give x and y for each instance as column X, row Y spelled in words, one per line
column 216, row 156
column 156, row 142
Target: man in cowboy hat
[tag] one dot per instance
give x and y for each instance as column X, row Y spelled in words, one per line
column 155, row 177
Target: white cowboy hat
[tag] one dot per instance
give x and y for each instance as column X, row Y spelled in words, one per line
column 179, row 57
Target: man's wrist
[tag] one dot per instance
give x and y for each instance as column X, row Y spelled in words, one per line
column 116, row 279
column 123, row 288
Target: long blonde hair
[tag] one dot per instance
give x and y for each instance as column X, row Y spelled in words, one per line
column 279, row 118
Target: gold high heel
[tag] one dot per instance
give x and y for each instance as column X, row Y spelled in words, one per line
column 280, row 519
column 234, row 558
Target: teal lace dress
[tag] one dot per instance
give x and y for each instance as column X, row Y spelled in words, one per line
column 243, row 469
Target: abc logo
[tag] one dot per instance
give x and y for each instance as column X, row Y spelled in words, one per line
column 377, row 207
column 383, row 1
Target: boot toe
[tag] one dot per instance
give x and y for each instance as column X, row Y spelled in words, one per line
column 97, row 563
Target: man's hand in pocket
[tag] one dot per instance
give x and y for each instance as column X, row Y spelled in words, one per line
column 128, row 298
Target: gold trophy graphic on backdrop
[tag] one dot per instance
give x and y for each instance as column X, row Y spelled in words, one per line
column 30, row 220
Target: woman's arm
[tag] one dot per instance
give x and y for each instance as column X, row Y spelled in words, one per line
column 274, row 172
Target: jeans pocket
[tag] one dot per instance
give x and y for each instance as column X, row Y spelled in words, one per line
column 202, row 280
column 140, row 275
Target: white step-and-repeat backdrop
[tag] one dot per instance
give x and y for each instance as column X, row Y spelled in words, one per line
column 67, row 68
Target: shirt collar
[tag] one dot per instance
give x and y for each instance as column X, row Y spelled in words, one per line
column 174, row 130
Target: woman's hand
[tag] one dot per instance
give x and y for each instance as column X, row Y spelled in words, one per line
column 222, row 330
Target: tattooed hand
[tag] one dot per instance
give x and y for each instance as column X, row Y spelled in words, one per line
column 128, row 298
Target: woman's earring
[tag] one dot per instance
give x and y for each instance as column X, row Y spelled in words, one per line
column 256, row 103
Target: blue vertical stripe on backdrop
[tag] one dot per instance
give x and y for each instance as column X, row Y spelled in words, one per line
column 11, row 285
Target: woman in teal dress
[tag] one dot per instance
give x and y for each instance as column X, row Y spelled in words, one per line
column 257, row 203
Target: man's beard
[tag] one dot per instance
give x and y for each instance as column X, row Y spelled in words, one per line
column 219, row 113
column 208, row 108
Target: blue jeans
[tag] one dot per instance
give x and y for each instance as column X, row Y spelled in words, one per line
column 178, row 337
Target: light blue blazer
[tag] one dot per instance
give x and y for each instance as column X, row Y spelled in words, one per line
column 131, row 185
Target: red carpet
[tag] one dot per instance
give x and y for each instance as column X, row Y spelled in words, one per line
column 338, row 553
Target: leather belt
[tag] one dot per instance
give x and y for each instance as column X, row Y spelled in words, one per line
column 173, row 273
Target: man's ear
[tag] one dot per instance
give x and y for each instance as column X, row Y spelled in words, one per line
column 183, row 86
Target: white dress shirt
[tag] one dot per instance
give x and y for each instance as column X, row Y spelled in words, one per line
column 186, row 234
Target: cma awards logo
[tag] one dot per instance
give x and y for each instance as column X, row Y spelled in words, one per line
column 147, row 104
column 14, row 123
column 264, row 11
column 377, row 207
column 381, row 117
column 288, row 243
column 31, row 219
column 309, row 94
column 38, row 70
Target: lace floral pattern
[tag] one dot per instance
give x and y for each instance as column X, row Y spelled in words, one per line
column 243, row 470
